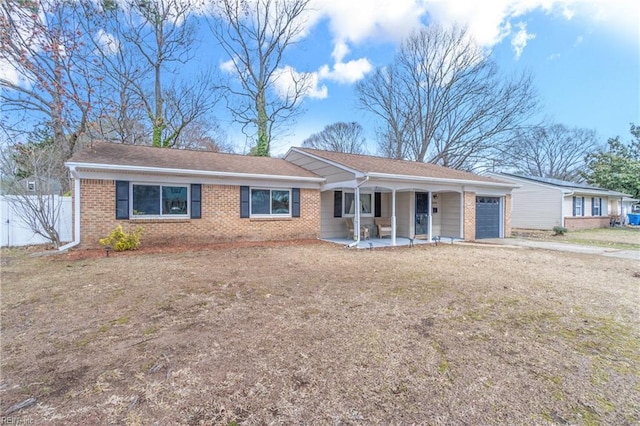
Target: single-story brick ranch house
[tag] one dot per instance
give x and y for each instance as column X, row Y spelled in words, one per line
column 202, row 197
column 542, row 203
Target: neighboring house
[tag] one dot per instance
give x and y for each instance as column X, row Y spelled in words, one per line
column 542, row 203
column 622, row 206
column 31, row 186
column 182, row 196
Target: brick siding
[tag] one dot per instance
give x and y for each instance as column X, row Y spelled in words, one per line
column 586, row 222
column 220, row 221
column 469, row 216
column 507, row 215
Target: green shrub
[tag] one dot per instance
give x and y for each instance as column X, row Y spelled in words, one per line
column 559, row 230
column 119, row 240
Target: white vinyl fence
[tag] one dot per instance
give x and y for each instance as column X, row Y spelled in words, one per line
column 15, row 232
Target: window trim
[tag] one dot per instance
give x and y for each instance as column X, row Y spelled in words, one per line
column 133, row 216
column 578, row 206
column 596, row 204
column 344, row 200
column 263, row 215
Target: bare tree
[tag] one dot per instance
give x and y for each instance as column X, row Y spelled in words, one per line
column 32, row 179
column 443, row 100
column 380, row 95
column 256, row 35
column 339, row 137
column 51, row 81
column 143, row 53
column 204, row 135
column 552, row 150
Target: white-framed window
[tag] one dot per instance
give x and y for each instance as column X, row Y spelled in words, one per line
column 152, row 200
column 578, row 206
column 270, row 202
column 596, row 206
column 349, row 204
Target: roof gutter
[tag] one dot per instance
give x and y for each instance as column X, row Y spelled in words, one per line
column 76, row 212
column 168, row 171
column 441, row 180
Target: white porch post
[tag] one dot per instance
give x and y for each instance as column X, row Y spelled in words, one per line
column 356, row 217
column 429, row 218
column 393, row 217
column 462, row 213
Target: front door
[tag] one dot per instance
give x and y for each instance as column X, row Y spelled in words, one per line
column 422, row 213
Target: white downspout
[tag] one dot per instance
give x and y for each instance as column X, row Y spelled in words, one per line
column 76, row 214
column 393, row 217
column 356, row 218
column 461, row 214
column 356, row 222
column 429, row 218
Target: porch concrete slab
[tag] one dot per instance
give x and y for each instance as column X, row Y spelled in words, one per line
column 376, row 242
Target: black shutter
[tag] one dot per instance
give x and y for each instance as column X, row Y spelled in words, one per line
column 295, row 202
column 378, row 204
column 122, row 199
column 337, row 203
column 574, row 206
column 593, row 206
column 583, row 209
column 244, row 201
column 196, row 201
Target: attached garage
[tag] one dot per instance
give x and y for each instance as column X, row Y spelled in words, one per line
column 487, row 217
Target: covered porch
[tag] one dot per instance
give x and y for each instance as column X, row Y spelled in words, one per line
column 419, row 201
column 415, row 214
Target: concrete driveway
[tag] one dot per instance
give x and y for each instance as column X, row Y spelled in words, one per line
column 574, row 248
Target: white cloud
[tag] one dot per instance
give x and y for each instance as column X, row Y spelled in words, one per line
column 107, row 42
column 340, row 50
column 486, row 21
column 521, row 38
column 287, row 80
column 228, row 66
column 491, row 22
column 358, row 20
column 346, row 72
column 314, row 90
column 9, row 73
column 568, row 13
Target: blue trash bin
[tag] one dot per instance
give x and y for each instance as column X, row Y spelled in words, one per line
column 634, row 219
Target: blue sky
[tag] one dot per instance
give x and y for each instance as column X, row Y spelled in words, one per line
column 584, row 56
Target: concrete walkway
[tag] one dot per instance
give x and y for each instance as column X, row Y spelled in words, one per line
column 573, row 248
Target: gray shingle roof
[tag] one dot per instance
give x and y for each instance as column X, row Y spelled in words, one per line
column 372, row 164
column 555, row 182
column 563, row 183
column 114, row 154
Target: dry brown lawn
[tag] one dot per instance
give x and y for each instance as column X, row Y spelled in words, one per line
column 317, row 334
column 621, row 237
